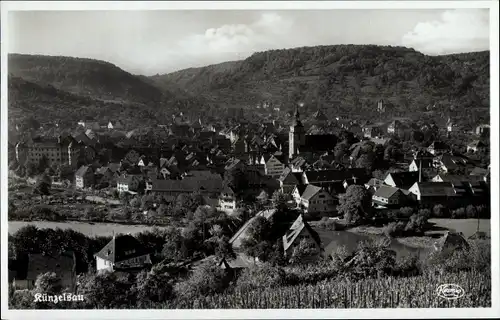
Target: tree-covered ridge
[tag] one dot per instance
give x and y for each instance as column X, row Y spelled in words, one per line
column 46, row 103
column 348, row 78
column 92, row 78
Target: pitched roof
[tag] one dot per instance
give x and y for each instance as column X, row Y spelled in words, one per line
column 375, row 182
column 438, row 189
column 438, row 145
column 297, row 227
column 385, row 191
column 82, row 171
column 301, row 188
column 404, row 179
column 334, row 175
column 460, row 178
column 477, row 171
column 42, row 263
column 189, row 184
column 121, row 247
column 310, row 191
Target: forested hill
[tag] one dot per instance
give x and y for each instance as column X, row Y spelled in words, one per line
column 86, row 77
column 52, row 88
column 348, row 79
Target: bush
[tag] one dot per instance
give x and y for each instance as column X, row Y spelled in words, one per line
column 208, row 279
column 406, row 266
column 329, row 224
column 265, row 276
column 135, row 203
column 406, row 212
column 458, row 213
column 417, row 223
column 471, row 211
column 395, row 229
column 439, row 211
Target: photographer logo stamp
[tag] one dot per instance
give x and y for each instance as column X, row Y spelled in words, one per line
column 450, row 291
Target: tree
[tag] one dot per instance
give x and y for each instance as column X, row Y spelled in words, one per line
column 174, row 249
column 224, row 249
column 206, row 280
column 43, row 164
column 153, row 287
column 106, row 290
column 31, row 168
column 48, row 283
column 236, row 179
column 304, row 252
column 355, row 205
column 42, row 186
column 366, row 161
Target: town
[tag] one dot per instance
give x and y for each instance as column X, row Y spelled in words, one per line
column 236, row 201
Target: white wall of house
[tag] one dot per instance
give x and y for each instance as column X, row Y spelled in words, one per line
column 122, row 187
column 304, row 234
column 389, row 181
column 102, row 264
column 416, row 191
column 79, row 182
column 413, row 166
column 321, row 202
column 273, row 167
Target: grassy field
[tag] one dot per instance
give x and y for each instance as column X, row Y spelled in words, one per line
column 89, row 229
column 467, row 226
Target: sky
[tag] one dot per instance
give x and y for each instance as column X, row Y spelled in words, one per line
column 157, row 42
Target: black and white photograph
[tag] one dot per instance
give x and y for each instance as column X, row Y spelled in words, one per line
column 249, row 159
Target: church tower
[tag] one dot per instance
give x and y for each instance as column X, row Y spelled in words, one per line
column 297, row 136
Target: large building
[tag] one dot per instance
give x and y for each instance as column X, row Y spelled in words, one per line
column 61, row 150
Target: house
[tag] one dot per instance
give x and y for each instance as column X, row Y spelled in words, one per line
column 402, row 180
column 317, row 201
column 298, row 164
column 373, row 184
column 288, row 180
column 234, row 164
column 448, row 163
column 451, row 241
column 115, row 125
column 84, row 177
column 372, row 131
column 63, row 265
column 325, row 177
column 129, row 183
column 145, row 161
column 63, row 150
column 456, row 178
column 207, row 185
column 431, row 193
column 438, row 147
column 274, row 165
column 475, row 146
column 417, row 164
column 483, row 129
column 301, row 230
column 122, row 253
column 388, row 196
column 227, row 200
column 297, row 192
column 106, row 174
column 394, row 127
